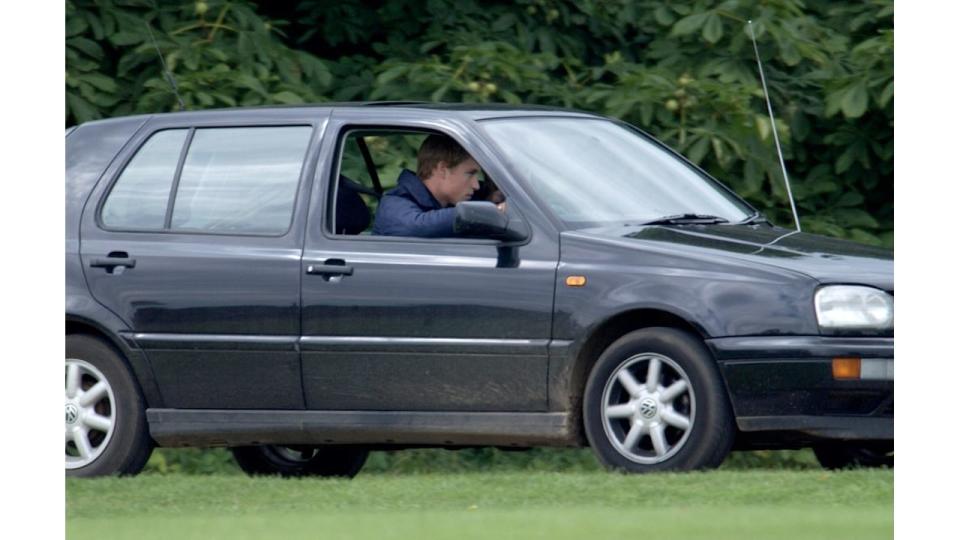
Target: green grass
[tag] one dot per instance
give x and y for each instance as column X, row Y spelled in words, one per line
column 782, row 504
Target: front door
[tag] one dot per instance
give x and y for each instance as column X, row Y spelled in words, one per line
column 392, row 323
column 196, row 246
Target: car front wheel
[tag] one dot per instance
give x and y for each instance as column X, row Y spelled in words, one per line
column 299, row 460
column 654, row 401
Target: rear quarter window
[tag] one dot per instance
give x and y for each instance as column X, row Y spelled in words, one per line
column 140, row 196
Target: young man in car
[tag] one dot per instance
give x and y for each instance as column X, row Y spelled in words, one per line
column 423, row 204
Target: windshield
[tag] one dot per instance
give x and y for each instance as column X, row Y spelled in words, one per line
column 594, row 171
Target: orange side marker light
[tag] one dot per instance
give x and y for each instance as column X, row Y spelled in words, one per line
column 576, row 281
column 846, row 368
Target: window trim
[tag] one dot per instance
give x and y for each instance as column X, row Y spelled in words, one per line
column 188, row 140
column 328, row 202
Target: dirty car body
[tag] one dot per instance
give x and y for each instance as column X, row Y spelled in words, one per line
column 660, row 343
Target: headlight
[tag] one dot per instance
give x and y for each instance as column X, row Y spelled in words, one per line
column 851, row 307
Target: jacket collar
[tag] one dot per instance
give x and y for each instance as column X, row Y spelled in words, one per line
column 412, row 184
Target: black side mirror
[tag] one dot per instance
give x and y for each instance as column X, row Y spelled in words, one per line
column 483, row 219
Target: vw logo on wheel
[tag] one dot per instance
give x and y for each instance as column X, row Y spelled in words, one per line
column 72, row 413
column 648, row 408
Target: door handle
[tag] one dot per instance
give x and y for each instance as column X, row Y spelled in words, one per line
column 330, row 267
column 113, row 260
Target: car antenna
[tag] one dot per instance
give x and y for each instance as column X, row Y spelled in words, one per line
column 773, row 125
column 166, row 72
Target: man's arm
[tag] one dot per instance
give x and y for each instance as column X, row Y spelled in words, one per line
column 397, row 216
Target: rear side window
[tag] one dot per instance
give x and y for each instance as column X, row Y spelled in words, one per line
column 231, row 180
column 240, row 180
column 140, row 196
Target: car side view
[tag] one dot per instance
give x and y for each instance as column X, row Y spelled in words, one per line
column 226, row 287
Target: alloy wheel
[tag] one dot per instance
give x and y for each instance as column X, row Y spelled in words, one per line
column 649, row 408
column 90, row 413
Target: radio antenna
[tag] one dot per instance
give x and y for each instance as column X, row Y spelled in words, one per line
column 166, row 72
column 773, row 125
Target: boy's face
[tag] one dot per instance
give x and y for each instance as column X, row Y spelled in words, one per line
column 457, row 184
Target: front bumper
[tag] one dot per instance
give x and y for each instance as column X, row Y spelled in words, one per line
column 786, row 384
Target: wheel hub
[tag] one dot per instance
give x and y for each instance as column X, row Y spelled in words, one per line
column 72, row 414
column 648, row 408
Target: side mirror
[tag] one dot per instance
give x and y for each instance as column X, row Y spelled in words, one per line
column 482, row 219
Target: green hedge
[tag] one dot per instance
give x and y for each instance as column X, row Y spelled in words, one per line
column 684, row 71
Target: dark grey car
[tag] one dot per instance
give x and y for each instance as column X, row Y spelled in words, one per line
column 223, row 289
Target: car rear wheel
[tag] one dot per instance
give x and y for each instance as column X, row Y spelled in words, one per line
column 847, row 455
column 105, row 427
column 300, row 460
column 654, row 401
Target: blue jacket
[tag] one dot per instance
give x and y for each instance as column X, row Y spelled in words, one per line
column 411, row 210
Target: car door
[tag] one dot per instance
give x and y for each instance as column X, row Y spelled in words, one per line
column 194, row 238
column 423, row 324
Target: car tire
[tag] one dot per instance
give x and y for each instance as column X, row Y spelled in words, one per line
column 106, row 429
column 847, row 455
column 300, row 460
column 654, row 401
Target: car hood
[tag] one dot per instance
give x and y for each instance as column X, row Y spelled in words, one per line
column 827, row 260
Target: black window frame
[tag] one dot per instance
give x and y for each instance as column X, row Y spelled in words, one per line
column 188, row 140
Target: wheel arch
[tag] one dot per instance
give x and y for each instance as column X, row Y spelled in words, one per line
column 134, row 359
column 602, row 336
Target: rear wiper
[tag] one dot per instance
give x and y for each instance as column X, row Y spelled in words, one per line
column 686, row 219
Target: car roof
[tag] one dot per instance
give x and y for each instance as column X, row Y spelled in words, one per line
column 472, row 111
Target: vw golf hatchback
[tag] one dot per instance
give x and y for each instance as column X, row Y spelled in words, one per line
column 225, row 289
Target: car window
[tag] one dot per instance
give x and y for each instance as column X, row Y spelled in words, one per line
column 139, row 198
column 357, row 192
column 240, row 180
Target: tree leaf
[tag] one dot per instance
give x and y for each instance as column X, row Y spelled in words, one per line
column 101, row 82
column 713, row 28
column 88, row 47
column 75, row 26
column 391, row 74
column 123, row 38
column 81, row 109
column 886, row 95
column 699, row 149
column 855, row 100
column 664, row 16
column 689, row 24
column 854, row 217
column 287, row 97
column 850, row 198
column 503, row 22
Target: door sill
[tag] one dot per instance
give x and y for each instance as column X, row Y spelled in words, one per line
column 214, row 427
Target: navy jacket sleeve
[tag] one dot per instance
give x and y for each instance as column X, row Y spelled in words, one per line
column 399, row 216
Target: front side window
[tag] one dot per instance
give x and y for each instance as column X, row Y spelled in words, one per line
column 140, row 196
column 371, row 165
column 593, row 172
column 240, row 180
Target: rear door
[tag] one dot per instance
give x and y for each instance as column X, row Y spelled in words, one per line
column 195, row 240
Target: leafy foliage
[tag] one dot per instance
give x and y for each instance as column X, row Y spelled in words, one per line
column 683, row 71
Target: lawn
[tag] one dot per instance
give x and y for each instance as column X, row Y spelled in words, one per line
column 736, row 504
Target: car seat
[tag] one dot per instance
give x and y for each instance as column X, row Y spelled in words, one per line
column 352, row 214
